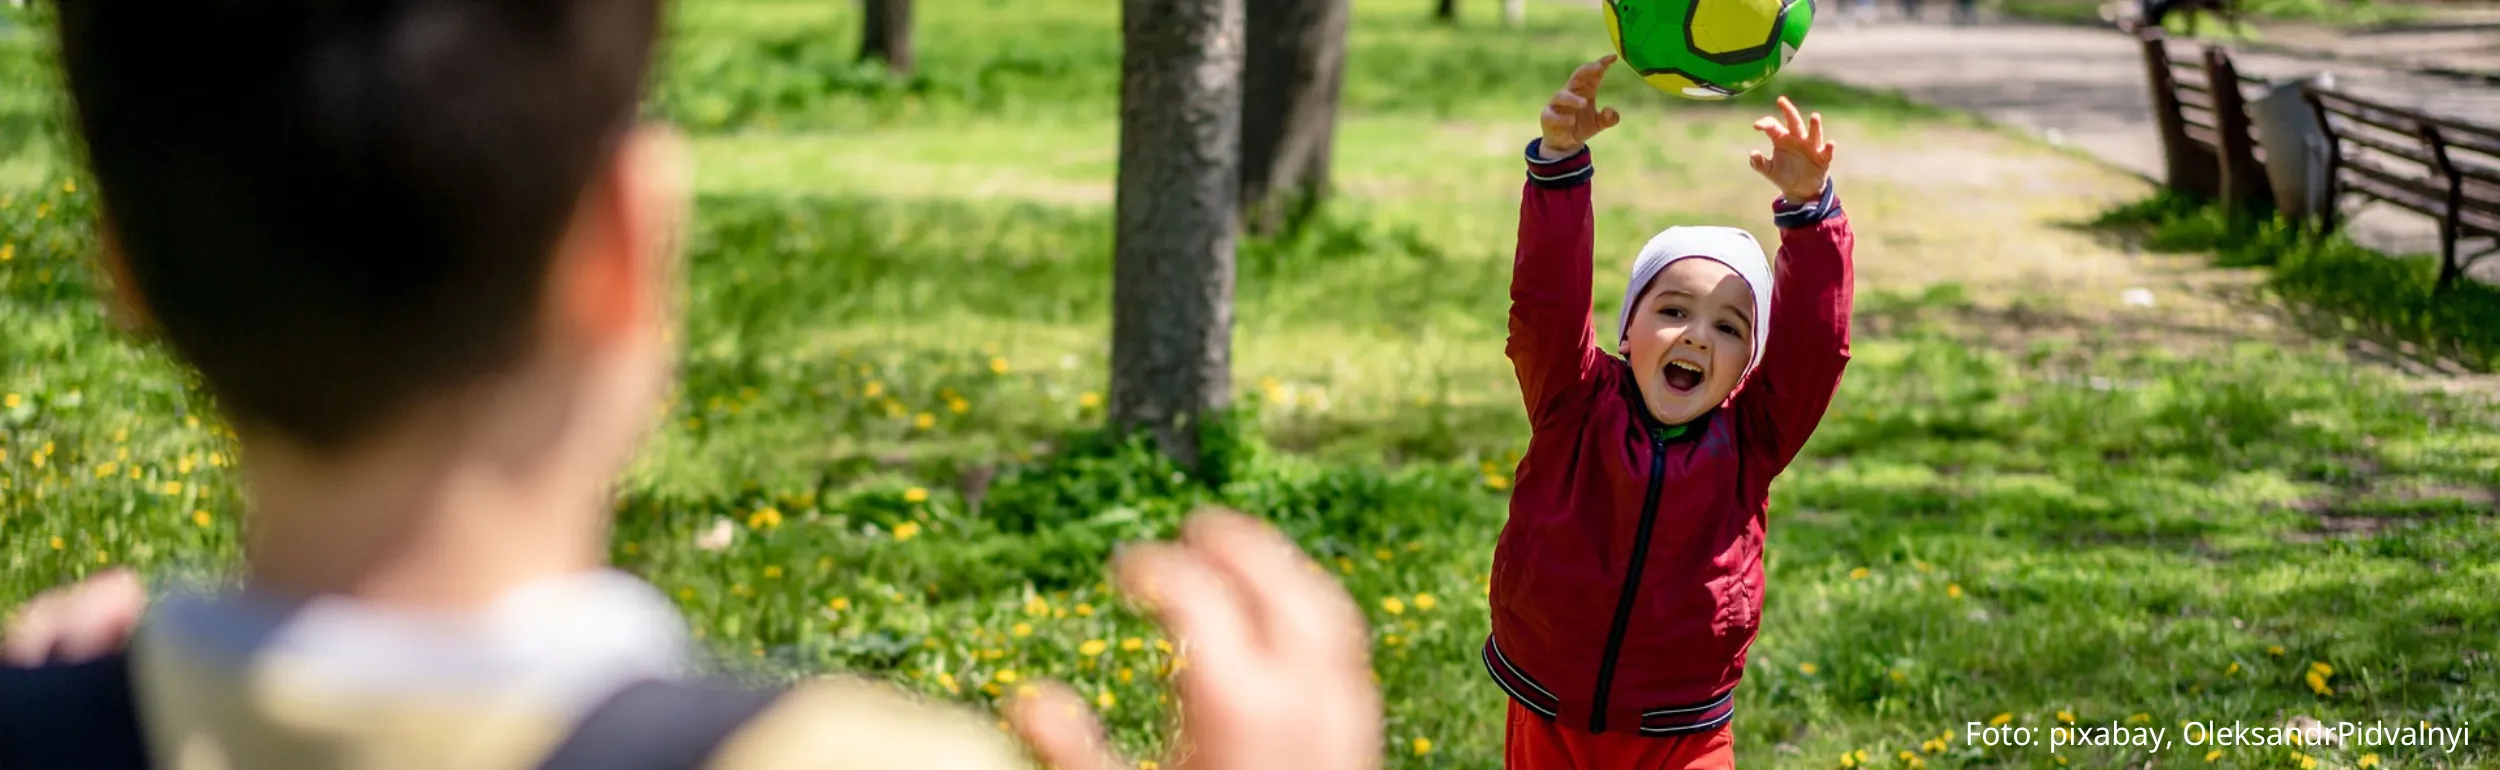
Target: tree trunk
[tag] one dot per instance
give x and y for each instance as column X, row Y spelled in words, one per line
column 1515, row 13
column 1293, row 73
column 887, row 35
column 1448, row 11
column 1172, row 264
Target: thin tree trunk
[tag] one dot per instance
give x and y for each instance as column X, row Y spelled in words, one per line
column 1515, row 13
column 887, row 36
column 1447, row 12
column 1294, row 71
column 1172, row 265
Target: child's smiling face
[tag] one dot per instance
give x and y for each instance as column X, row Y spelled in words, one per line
column 1689, row 338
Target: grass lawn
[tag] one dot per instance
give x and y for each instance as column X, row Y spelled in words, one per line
column 897, row 338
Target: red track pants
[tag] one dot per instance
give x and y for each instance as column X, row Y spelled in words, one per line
column 1537, row 743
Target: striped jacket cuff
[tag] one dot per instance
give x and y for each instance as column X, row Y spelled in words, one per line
column 1571, row 171
column 1789, row 216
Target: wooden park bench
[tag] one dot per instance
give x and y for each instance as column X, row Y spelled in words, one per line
column 2443, row 168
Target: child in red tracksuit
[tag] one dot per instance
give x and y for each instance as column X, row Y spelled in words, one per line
column 1627, row 585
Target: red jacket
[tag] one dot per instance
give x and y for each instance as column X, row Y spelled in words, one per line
column 1627, row 585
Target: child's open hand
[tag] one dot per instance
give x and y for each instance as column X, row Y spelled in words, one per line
column 76, row 623
column 1273, row 669
column 1572, row 116
column 1800, row 158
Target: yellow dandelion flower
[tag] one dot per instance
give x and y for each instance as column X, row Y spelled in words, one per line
column 1383, row 554
column 993, row 654
column 924, row 421
column 1897, row 675
column 1105, row 700
column 103, row 558
column 200, row 518
column 947, row 681
column 216, row 459
column 741, row 589
column 1859, row 573
column 2213, row 756
column 2308, row 762
column 1022, row 630
column 685, row 594
column 8, row 251
column 958, row 406
column 772, row 572
column 2234, row 669
column 841, row 603
column 1089, row 399
column 872, row 390
column 1393, row 605
column 2139, row 718
column 2274, row 650
column 56, row 543
column 173, row 487
column 69, row 186
column 916, row 495
column 106, row 470
column 1036, row 606
column 1163, row 646
column 2065, row 716
column 1127, row 675
column 2318, row 684
column 998, row 364
column 2321, row 668
column 1953, row 590
column 1148, row 764
column 1005, row 675
column 1345, row 565
column 1084, row 610
column 1423, row 746
column 1426, row 602
column 1092, row 647
column 11, row 401
column 764, row 518
column 1914, row 762
column 906, row 531
column 1494, row 481
column 2061, row 761
column 1848, row 759
column 2000, row 720
column 2367, row 760
column 1808, row 669
column 991, row 688
column 1392, row 640
column 1132, row 644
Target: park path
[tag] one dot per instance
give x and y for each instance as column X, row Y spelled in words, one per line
column 2083, row 87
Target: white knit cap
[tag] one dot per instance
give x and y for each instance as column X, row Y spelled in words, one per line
column 1725, row 245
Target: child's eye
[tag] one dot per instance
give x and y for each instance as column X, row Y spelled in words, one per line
column 1671, row 312
column 1731, row 330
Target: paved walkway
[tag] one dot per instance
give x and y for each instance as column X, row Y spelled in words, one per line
column 2084, row 87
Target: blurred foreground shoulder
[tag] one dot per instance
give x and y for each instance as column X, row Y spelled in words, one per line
column 848, row 722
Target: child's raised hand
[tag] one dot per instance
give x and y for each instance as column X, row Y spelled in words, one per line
column 1273, row 668
column 1572, row 116
column 1800, row 158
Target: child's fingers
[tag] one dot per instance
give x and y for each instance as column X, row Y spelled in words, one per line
column 33, row 633
column 1788, row 112
column 1570, row 103
column 1302, row 612
column 1814, row 131
column 1771, row 127
column 1608, row 118
column 1823, row 157
column 1194, row 603
column 1761, row 164
column 1061, row 732
column 1587, row 77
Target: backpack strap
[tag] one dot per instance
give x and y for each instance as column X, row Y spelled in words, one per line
column 74, row 716
column 659, row 725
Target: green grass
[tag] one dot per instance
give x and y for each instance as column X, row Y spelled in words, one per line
column 2106, row 532
column 2345, row 287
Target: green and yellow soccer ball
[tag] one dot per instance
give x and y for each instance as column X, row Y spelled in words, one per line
column 1708, row 49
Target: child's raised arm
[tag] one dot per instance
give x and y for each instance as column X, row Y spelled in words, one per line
column 1811, row 296
column 1552, row 343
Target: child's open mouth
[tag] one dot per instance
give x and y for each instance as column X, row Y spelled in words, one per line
column 1682, row 377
